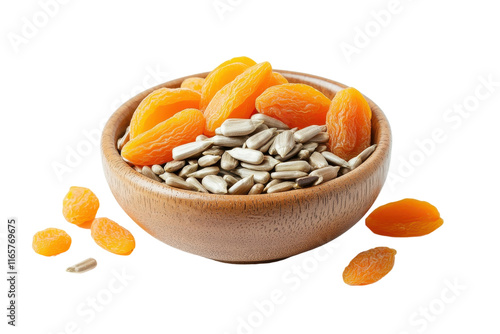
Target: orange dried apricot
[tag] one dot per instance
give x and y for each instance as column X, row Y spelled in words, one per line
column 51, row 241
column 159, row 106
column 80, row 205
column 193, row 83
column 245, row 60
column 112, row 237
column 369, row 266
column 217, row 79
column 155, row 146
column 296, row 105
column 348, row 123
column 406, row 218
column 277, row 79
column 237, row 98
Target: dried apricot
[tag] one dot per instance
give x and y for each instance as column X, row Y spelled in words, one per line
column 405, row 218
column 245, row 60
column 193, row 83
column 159, row 106
column 217, row 79
column 112, row 237
column 154, row 146
column 51, row 241
column 369, row 266
column 237, row 98
column 296, row 105
column 277, row 79
column 80, row 205
column 348, row 123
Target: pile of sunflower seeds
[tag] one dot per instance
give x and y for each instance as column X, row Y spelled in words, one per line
column 253, row 156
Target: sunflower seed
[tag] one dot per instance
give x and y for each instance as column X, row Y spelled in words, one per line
column 188, row 169
column 193, row 161
column 247, row 155
column 288, row 175
column 228, row 141
column 327, row 173
column 290, row 154
column 138, row 169
column 260, row 128
column 228, row 162
column 284, row 143
column 256, row 189
column 317, row 161
column 190, row 149
column 265, row 148
column 242, row 187
column 305, row 134
column 355, row 162
column 367, row 152
column 280, row 187
column 196, row 184
column 272, row 148
column 214, row 184
column 230, row 180
column 304, row 154
column 124, row 139
column 310, row 147
column 234, row 127
column 259, row 139
column 208, row 160
column 168, row 174
column 178, row 183
column 214, row 150
column 301, row 166
column 333, row 159
column 269, row 121
column 258, row 176
column 321, row 148
column 321, row 137
column 200, row 174
column 344, row 170
column 306, row 181
column 146, row 171
column 157, row 169
column 201, row 138
column 266, row 165
column 218, row 131
column 83, row 266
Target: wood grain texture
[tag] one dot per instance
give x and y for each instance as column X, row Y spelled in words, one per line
column 247, row 228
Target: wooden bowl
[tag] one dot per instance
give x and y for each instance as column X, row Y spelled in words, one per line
column 246, row 228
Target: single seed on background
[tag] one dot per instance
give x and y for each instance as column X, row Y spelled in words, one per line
column 214, row 184
column 280, row 187
column 288, row 175
column 146, row 171
column 208, row 160
column 188, row 169
column 301, row 166
column 304, row 154
column 317, row 160
column 259, row 139
column 230, row 180
column 157, row 169
column 190, row 149
column 234, row 127
column 242, row 187
column 327, row 173
column 228, row 141
column 228, row 162
column 214, row 150
column 174, row 165
column 284, row 143
column 303, row 135
column 266, row 165
column 202, row 173
column 247, row 155
column 333, row 159
column 270, row 121
column 178, row 183
column 321, row 137
column 83, row 266
column 290, row 154
column 196, row 184
column 306, row 181
column 256, row 189
column 258, row 176
column 271, row 183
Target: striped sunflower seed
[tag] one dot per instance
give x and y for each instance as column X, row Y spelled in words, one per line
column 190, row 149
column 214, row 184
column 247, row 155
column 269, row 121
column 242, row 187
column 228, row 162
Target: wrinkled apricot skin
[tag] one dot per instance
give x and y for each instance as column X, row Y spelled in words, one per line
column 245, row 60
column 348, row 123
column 80, row 205
column 217, row 79
column 405, row 218
column 112, row 237
column 369, row 266
column 51, row 241
column 193, row 83
column 155, row 145
column 296, row 105
column 159, row 106
column 277, row 79
column 237, row 98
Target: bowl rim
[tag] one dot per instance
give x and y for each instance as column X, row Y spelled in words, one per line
column 114, row 160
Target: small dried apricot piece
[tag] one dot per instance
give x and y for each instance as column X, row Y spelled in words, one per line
column 237, row 98
column 80, row 205
column 193, row 83
column 348, row 123
column 217, row 79
column 112, row 237
column 51, row 241
column 296, row 105
column 159, row 106
column 154, row 147
column 369, row 266
column 245, row 60
column 277, row 79
column 406, row 218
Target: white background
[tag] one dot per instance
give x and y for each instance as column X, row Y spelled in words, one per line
column 60, row 81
